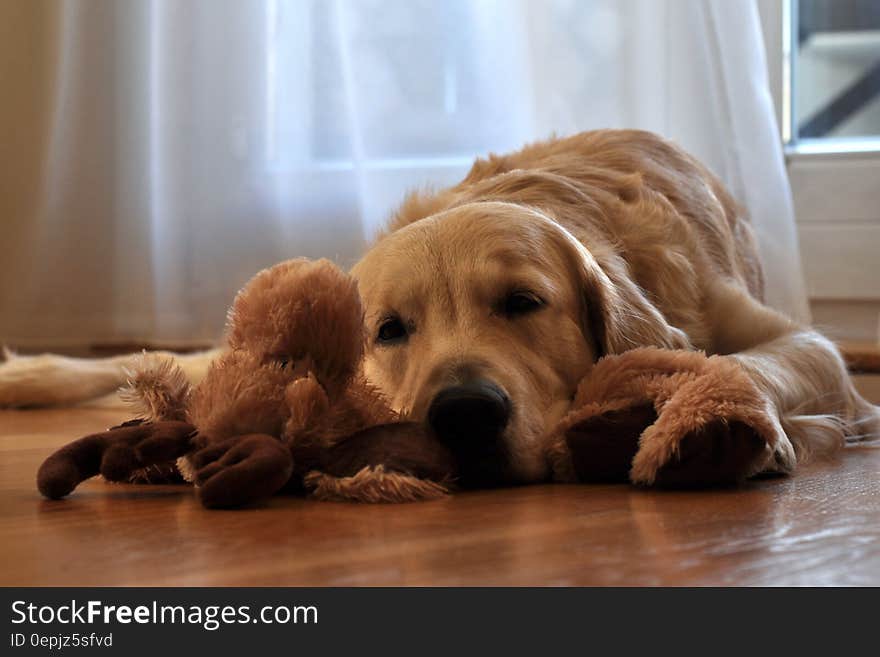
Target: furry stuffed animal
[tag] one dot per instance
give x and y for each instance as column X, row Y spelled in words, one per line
column 284, row 408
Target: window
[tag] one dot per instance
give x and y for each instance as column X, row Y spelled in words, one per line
column 834, row 75
column 824, row 68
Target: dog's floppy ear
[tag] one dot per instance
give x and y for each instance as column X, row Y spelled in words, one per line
column 618, row 314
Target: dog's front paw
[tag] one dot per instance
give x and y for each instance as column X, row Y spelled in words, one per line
column 241, row 470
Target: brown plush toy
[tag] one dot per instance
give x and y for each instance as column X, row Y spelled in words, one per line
column 285, row 408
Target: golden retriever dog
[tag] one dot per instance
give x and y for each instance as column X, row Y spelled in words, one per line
column 487, row 303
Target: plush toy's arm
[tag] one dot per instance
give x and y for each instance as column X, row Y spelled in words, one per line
column 115, row 454
column 402, row 447
column 663, row 417
column 394, row 462
column 391, row 462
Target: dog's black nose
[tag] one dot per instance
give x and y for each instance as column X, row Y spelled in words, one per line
column 470, row 416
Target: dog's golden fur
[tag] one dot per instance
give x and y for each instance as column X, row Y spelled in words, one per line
column 621, row 240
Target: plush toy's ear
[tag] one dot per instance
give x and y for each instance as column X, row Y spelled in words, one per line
column 618, row 315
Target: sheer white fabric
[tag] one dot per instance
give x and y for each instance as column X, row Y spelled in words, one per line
column 194, row 142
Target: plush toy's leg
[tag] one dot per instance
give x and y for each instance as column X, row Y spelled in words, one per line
column 719, row 452
column 241, row 470
column 668, row 418
column 159, row 473
column 115, row 454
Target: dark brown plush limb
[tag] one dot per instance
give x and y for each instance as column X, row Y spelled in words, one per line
column 161, row 473
column 402, row 447
column 718, row 453
column 241, row 470
column 603, row 446
column 116, row 453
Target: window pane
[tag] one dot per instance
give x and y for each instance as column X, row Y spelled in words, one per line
column 836, row 72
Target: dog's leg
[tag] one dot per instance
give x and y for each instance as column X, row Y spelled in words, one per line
column 800, row 401
column 53, row 380
column 776, row 394
column 800, row 370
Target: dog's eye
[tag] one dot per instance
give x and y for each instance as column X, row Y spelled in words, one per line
column 282, row 360
column 391, row 330
column 520, row 303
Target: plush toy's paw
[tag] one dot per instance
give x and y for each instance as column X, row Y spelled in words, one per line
column 669, row 418
column 396, row 462
column 719, row 452
column 241, row 470
column 373, row 485
column 117, row 454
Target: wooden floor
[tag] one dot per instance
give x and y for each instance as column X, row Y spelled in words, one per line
column 820, row 527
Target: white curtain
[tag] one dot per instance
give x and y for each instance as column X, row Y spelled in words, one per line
column 190, row 142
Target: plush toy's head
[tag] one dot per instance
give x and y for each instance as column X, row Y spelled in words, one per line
column 294, row 321
column 302, row 315
column 299, row 321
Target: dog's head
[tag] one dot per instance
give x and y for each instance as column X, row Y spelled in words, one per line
column 483, row 319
